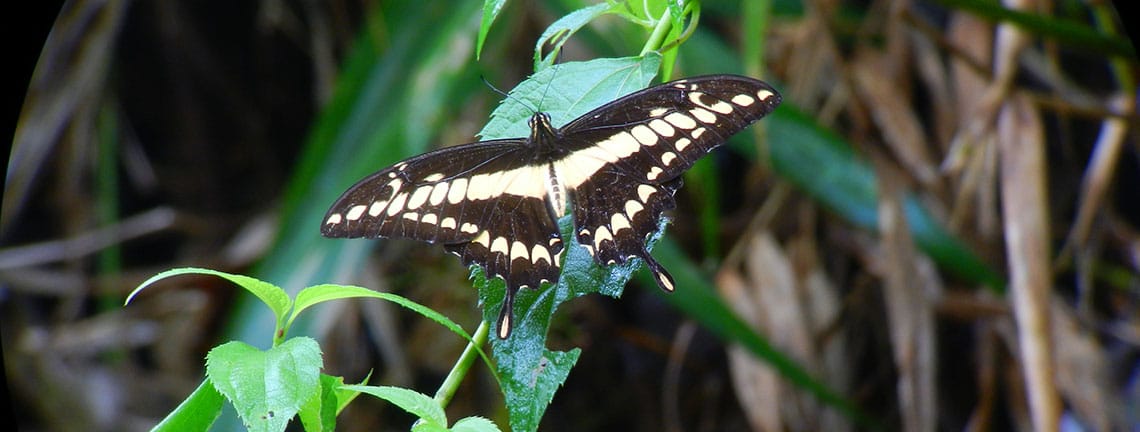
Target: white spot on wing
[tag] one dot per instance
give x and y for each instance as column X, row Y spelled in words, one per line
column 539, row 253
column 430, row 218
column 333, row 219
column 602, row 234
column 682, row 144
column 718, row 106
column 665, row 282
column 703, row 115
column 470, row 228
column 645, row 191
column 484, row 238
column 743, row 100
column 527, row 181
column 376, row 208
column 505, row 326
column 662, row 127
column 419, row 197
column 447, row 222
column 395, row 184
column 484, row 186
column 623, row 144
column 397, row 204
column 499, row 245
column 579, row 166
column 644, row 135
column 434, row 177
column 680, row 120
column 438, row 193
column 632, row 208
column 519, row 251
column 355, row 212
column 457, row 191
column 619, row 222
column 667, row 158
column 653, row 173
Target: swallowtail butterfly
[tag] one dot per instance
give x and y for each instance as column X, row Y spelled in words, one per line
column 496, row 203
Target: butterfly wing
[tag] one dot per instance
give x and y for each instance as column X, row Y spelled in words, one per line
column 486, row 202
column 626, row 157
column 620, row 164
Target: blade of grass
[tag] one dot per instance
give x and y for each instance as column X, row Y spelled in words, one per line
column 699, row 300
column 366, row 126
column 1071, row 33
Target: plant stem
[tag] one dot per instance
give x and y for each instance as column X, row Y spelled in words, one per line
column 451, row 384
column 664, row 24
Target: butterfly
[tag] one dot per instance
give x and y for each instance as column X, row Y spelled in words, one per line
column 496, row 203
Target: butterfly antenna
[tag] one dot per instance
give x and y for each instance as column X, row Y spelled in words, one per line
column 549, row 83
column 507, row 95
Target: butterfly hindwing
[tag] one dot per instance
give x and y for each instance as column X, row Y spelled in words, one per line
column 613, row 216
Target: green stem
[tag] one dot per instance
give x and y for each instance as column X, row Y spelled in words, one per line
column 754, row 22
column 1104, row 18
column 451, row 384
column 664, row 24
column 107, row 204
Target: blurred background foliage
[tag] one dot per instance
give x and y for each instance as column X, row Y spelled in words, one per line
column 940, row 225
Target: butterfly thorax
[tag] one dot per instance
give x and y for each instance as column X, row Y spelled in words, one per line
column 544, row 138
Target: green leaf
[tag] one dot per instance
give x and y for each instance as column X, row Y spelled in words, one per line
column 529, row 373
column 560, row 31
column 196, row 413
column 474, row 424
column 568, row 91
column 267, row 388
column 344, row 396
column 320, row 293
column 428, row 427
column 491, row 10
column 415, row 403
column 319, row 412
column 272, row 295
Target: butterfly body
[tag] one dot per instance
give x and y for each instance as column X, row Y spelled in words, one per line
column 496, row 203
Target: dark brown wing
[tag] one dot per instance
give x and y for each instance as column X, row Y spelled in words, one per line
column 483, row 201
column 487, row 202
column 627, row 156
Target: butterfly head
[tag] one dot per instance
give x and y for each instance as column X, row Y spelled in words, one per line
column 540, row 120
column 542, row 132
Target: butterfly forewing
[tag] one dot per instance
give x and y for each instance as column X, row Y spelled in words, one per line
column 628, row 155
column 473, row 198
column 496, row 203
